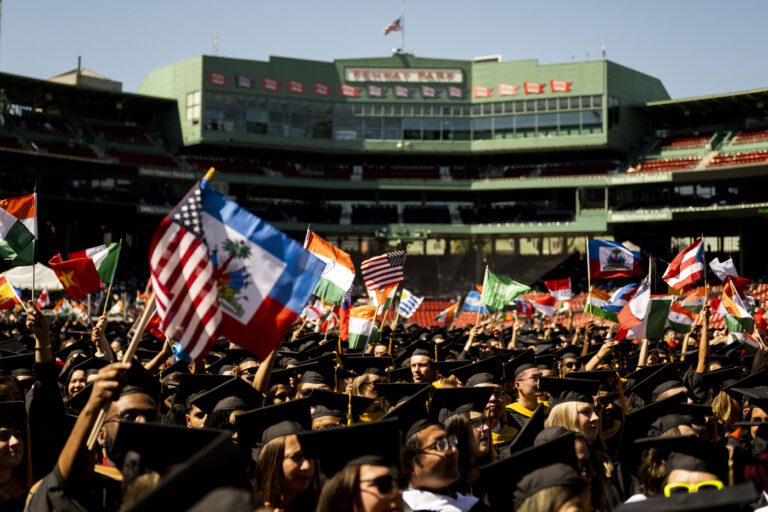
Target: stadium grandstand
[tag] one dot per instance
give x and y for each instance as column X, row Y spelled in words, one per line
column 465, row 163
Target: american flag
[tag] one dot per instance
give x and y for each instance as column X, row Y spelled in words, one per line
column 393, row 26
column 383, row 270
column 182, row 277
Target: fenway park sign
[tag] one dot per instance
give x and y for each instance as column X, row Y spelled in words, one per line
column 410, row 75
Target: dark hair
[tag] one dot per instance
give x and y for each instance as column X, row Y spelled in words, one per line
column 341, row 493
column 459, row 425
column 411, row 450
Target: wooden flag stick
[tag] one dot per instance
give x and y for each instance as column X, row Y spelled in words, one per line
column 127, row 357
column 109, row 289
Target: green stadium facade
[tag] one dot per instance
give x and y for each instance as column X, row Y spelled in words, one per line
column 465, row 162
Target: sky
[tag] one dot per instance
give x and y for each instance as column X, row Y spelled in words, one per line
column 694, row 47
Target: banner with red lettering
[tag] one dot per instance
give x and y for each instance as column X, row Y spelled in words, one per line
column 478, row 91
column 217, row 79
column 507, row 90
column 560, row 86
column 348, row 90
column 533, row 87
column 270, row 85
column 321, row 89
column 296, row 87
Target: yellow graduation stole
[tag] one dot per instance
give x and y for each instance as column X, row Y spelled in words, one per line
column 504, row 435
column 520, row 409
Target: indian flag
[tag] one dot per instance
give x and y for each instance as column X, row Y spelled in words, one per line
column 695, row 300
column 447, row 315
column 339, row 271
column 745, row 339
column 8, row 296
column 18, row 230
column 361, row 320
column 737, row 317
column 681, row 319
column 595, row 301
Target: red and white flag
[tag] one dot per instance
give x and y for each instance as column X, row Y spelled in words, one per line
column 402, row 92
column 560, row 86
column 43, row 299
column 687, row 267
column 428, row 92
column 383, row 270
column 321, row 89
column 270, row 85
column 544, row 304
column 349, row 90
column 479, row 91
column 217, row 79
column 507, row 90
column 296, row 87
column 375, row 91
column 560, row 288
column 393, row 26
column 533, row 87
column 455, row 92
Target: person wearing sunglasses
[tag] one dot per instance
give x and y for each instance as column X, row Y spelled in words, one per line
column 362, row 488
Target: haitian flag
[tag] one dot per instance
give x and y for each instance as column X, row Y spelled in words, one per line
column 610, row 259
column 263, row 277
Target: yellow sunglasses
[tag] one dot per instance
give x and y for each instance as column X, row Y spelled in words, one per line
column 683, row 487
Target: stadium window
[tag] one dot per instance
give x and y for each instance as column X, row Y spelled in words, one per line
column 504, row 127
column 262, row 103
column 256, row 121
column 731, row 244
column 357, row 109
column 519, row 106
column 530, row 106
column 372, row 128
column 391, row 129
column 563, row 103
column 278, row 123
column 446, row 130
column 446, row 109
column 465, row 111
column 426, row 110
column 546, row 122
column 552, row 104
column 482, row 128
column 193, row 107
column 525, row 124
column 298, row 125
column 487, row 109
column 509, row 107
column 411, row 128
column 431, row 129
column 498, row 108
column 541, row 105
column 477, row 110
column 586, row 102
column 569, row 122
column 386, row 110
column 597, row 101
column 461, row 129
column 592, row 120
column 397, row 110
column 575, row 102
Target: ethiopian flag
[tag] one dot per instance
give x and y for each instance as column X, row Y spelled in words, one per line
column 339, row 271
column 18, row 230
column 8, row 295
column 86, row 270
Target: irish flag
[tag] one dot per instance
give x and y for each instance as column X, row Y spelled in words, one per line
column 680, row 318
column 8, row 295
column 86, row 270
column 361, row 320
column 18, row 230
column 339, row 271
column 595, row 301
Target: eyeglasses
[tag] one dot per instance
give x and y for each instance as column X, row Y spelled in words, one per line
column 684, row 487
column 570, row 364
column 442, row 445
column 385, row 484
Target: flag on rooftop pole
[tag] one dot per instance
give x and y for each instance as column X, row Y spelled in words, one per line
column 87, row 270
column 8, row 295
column 560, row 288
column 499, row 290
column 687, row 267
column 447, row 315
column 611, row 259
column 596, row 301
column 18, row 231
column 339, row 271
column 409, row 303
column 218, row 270
column 393, row 26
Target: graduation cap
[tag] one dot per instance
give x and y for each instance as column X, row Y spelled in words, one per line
column 78, row 346
column 569, row 390
column 727, row 499
column 77, row 401
column 664, row 379
column 231, row 394
column 159, row 446
column 400, row 374
column 412, row 414
column 213, row 466
column 689, row 453
column 527, row 435
column 191, row 384
column 320, row 349
column 518, row 364
column 414, row 348
column 531, row 470
column 568, row 352
column 10, row 363
column 760, row 377
column 17, row 344
column 446, row 368
column 138, row 377
column 219, row 364
column 260, row 426
column 315, row 371
column 486, row 370
column 609, row 379
column 367, row 365
column 394, row 393
column 717, row 379
column 367, row 443
column 92, row 364
column 447, row 402
column 340, row 403
column 757, row 396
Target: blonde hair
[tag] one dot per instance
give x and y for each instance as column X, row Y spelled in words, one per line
column 723, row 408
column 357, row 384
column 564, row 415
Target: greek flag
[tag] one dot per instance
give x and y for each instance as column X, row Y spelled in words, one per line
column 409, row 303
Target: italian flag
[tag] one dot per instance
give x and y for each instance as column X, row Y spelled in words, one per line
column 680, row 318
column 595, row 301
column 361, row 320
column 86, row 270
column 339, row 271
column 8, row 296
column 18, row 230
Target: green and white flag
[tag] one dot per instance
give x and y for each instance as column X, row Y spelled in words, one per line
column 18, row 231
column 498, row 290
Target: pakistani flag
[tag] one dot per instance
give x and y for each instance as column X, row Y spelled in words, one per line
column 498, row 290
column 18, row 231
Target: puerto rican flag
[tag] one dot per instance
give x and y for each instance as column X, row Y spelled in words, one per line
column 349, row 90
column 321, row 89
column 533, row 87
column 296, row 87
column 560, row 288
column 560, row 86
column 687, row 267
column 507, row 90
column 270, row 85
column 479, row 91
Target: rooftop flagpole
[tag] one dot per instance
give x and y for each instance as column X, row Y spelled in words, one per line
column 402, row 26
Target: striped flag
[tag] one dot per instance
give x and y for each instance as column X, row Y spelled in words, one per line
column 619, row 298
column 687, row 267
column 695, row 300
column 18, row 230
column 383, row 270
column 560, row 288
column 737, row 317
column 409, row 303
column 544, row 305
column 393, row 26
column 447, row 315
column 361, row 320
column 680, row 318
column 8, row 296
column 596, row 302
column 339, row 271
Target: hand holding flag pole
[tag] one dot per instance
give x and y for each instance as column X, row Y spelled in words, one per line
column 109, row 289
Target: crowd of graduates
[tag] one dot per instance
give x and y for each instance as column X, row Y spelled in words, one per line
column 528, row 417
